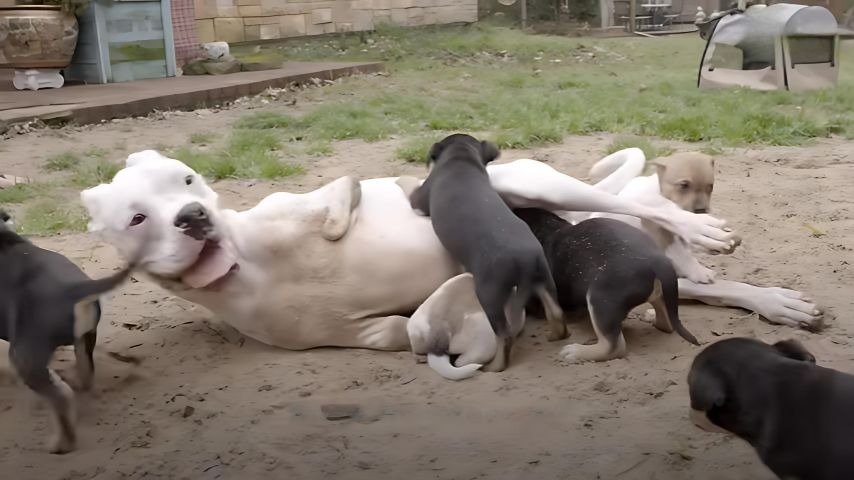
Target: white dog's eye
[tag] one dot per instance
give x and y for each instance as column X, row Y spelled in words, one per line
column 137, row 219
column 188, row 180
column 684, row 185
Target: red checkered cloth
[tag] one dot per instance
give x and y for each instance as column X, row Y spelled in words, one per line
column 184, row 30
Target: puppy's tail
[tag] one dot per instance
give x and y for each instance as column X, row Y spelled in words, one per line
column 666, row 275
column 87, row 289
column 442, row 365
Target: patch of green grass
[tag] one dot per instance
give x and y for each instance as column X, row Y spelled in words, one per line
column 97, row 153
column 650, row 150
column 20, row 193
column 319, row 149
column 95, row 173
column 264, row 120
column 201, row 138
column 248, row 154
column 62, row 162
column 48, row 217
column 529, row 90
column 415, row 150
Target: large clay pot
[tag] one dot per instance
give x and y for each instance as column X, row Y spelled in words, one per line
column 36, row 36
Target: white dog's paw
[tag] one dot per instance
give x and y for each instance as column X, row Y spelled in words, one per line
column 573, row 353
column 783, row 306
column 649, row 315
column 697, row 273
column 706, row 232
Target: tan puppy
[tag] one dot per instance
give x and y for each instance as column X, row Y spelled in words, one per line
column 687, row 179
column 684, row 180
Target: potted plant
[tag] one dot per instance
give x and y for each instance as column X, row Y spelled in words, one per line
column 39, row 34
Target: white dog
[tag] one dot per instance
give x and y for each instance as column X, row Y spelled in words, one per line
column 621, row 172
column 338, row 266
column 451, row 321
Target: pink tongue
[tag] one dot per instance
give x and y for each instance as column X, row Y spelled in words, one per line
column 215, row 265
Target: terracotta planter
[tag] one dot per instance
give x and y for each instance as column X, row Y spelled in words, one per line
column 36, row 36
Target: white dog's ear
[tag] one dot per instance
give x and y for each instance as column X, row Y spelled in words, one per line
column 93, row 199
column 144, row 156
column 344, row 198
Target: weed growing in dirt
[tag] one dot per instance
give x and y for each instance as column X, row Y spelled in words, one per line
column 62, row 162
column 48, row 217
column 20, row 193
column 95, row 173
column 200, row 138
column 250, row 153
column 415, row 149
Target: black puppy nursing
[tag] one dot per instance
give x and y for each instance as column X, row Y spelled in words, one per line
column 480, row 232
column 605, row 268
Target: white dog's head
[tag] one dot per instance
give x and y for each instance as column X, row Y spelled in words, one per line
column 176, row 205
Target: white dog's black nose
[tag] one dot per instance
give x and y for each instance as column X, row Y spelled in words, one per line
column 194, row 220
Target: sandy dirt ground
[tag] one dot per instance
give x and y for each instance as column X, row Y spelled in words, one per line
column 206, row 403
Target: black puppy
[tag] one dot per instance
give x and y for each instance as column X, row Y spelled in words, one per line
column 797, row 415
column 46, row 302
column 606, row 268
column 480, row 232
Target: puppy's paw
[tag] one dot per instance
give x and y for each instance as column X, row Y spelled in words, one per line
column 573, row 353
column 61, row 444
column 558, row 334
column 699, row 274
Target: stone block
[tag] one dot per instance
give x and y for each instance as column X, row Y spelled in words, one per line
column 345, row 27
column 279, row 7
column 329, row 28
column 382, row 5
column 229, row 30
column 230, row 11
column 425, row 3
column 204, row 9
column 342, row 12
column 250, row 11
column 248, row 2
column 321, row 15
column 205, row 30
column 292, row 25
column 399, row 17
column 363, row 20
column 262, row 20
column 252, row 32
column 360, row 4
column 270, row 32
column 402, row 3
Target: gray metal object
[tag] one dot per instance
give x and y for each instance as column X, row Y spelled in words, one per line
column 778, row 47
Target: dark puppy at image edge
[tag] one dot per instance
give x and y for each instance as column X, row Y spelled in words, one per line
column 797, row 415
column 606, row 268
column 481, row 232
column 46, row 302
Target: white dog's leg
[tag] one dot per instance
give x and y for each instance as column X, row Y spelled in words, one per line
column 529, row 183
column 686, row 265
column 778, row 305
column 382, row 333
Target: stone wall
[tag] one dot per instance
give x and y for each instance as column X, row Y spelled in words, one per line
column 248, row 20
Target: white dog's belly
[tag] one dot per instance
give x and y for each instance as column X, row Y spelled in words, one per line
column 328, row 293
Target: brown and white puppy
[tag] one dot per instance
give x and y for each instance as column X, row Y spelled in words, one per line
column 796, row 414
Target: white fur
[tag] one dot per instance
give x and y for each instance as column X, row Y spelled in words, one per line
column 337, row 266
column 453, row 314
column 778, row 305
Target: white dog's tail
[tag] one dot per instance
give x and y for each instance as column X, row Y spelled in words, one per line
column 613, row 172
column 442, row 365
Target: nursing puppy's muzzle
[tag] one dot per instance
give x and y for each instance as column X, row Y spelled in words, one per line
column 194, row 221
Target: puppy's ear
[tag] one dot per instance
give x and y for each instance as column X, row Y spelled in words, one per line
column 489, row 151
column 795, row 350
column 95, row 202
column 706, row 390
column 144, row 156
column 660, row 166
column 435, row 151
